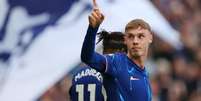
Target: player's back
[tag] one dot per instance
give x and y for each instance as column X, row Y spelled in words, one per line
column 87, row 85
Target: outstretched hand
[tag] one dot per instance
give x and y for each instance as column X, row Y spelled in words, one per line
column 96, row 17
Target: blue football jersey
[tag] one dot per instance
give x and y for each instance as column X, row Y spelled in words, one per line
column 87, row 85
column 131, row 81
column 112, row 91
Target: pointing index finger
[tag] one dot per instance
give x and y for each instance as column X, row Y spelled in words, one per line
column 95, row 4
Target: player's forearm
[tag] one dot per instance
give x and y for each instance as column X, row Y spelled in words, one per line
column 88, row 47
column 88, row 54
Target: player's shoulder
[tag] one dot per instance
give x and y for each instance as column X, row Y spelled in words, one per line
column 82, row 68
column 117, row 55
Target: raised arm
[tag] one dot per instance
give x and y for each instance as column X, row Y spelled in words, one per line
column 88, row 54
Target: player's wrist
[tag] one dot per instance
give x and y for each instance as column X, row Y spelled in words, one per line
column 94, row 27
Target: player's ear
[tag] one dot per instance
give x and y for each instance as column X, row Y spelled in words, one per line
column 151, row 37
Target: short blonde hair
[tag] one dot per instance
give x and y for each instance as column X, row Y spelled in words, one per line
column 134, row 24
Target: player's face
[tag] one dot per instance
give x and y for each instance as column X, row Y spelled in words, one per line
column 137, row 41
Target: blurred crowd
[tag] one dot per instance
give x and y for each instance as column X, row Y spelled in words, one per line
column 175, row 74
column 59, row 91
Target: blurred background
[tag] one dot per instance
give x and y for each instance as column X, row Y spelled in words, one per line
column 41, row 40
